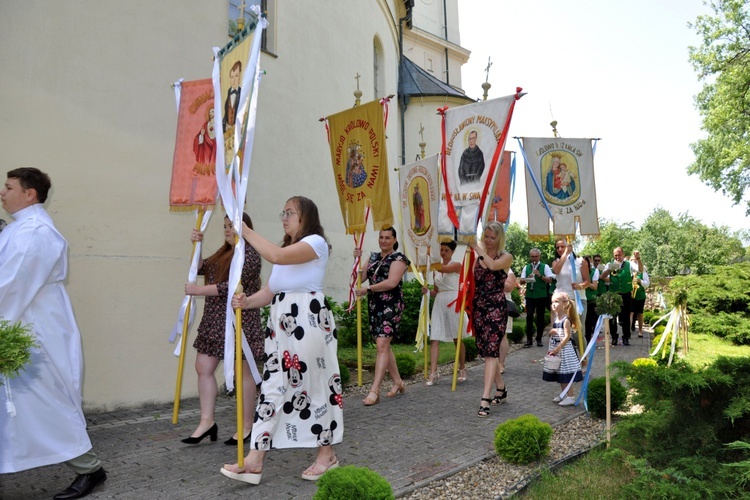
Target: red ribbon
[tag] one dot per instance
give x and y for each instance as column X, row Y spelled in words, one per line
column 444, row 169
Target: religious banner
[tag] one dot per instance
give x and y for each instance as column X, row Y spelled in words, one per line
column 564, row 173
column 499, row 205
column 419, row 189
column 360, row 164
column 474, row 137
column 236, row 78
column 194, row 163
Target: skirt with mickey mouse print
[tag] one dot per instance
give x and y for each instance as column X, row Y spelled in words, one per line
column 300, row 403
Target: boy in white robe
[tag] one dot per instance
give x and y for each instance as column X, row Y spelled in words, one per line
column 41, row 419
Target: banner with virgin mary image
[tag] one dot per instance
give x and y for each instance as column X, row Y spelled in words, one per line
column 360, row 164
column 474, row 137
column 564, row 171
column 193, row 183
column 419, row 196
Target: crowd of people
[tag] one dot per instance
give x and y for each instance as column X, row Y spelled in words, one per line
column 297, row 347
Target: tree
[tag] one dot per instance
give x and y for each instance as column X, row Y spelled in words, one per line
column 722, row 61
column 518, row 244
column 684, row 245
column 611, row 236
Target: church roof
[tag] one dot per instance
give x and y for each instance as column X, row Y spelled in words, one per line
column 414, row 81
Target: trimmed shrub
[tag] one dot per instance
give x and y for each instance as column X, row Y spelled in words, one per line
column 470, row 345
column 407, row 365
column 350, row 481
column 519, row 332
column 523, row 440
column 346, row 374
column 596, row 396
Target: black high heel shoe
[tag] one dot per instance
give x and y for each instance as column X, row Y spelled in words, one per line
column 213, row 432
column 233, row 442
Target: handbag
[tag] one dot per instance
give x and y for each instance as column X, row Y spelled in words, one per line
column 513, row 311
column 552, row 363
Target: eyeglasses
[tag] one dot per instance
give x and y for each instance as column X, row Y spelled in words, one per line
column 284, row 215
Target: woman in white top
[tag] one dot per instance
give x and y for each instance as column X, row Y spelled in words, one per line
column 562, row 269
column 444, row 320
column 300, row 403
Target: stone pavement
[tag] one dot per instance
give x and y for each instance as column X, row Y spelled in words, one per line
column 427, row 434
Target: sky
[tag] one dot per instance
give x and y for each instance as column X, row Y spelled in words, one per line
column 613, row 70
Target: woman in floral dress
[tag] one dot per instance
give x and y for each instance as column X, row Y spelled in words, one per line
column 489, row 315
column 210, row 340
column 385, row 300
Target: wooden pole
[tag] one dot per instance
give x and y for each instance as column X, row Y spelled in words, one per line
column 238, row 383
column 460, row 322
column 183, row 339
column 607, row 382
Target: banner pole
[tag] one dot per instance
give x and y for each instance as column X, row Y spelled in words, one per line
column 607, row 383
column 239, row 382
column 460, row 322
column 183, row 339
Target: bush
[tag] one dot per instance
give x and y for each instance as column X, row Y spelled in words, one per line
column 346, row 374
column 407, row 333
column 346, row 323
column 470, row 345
column 519, row 332
column 350, row 481
column 407, row 365
column 596, row 396
column 523, row 440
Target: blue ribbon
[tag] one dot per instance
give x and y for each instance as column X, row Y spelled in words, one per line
column 536, row 182
column 579, row 304
column 585, row 385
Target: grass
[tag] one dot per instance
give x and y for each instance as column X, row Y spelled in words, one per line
column 600, row 474
column 705, row 348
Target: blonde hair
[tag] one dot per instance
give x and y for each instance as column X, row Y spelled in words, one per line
column 569, row 308
column 497, row 228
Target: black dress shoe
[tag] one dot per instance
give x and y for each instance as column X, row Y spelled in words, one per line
column 528, row 344
column 625, row 342
column 233, row 442
column 82, row 485
column 213, row 432
column 539, row 344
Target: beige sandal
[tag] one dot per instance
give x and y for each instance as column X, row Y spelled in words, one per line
column 396, row 390
column 316, row 470
column 368, row 401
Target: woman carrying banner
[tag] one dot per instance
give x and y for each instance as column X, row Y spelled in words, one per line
column 301, row 377
column 385, row 300
column 566, row 282
column 489, row 309
column 210, row 340
column 444, row 321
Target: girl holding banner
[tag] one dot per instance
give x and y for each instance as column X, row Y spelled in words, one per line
column 210, row 340
column 444, row 322
column 490, row 310
column 300, row 403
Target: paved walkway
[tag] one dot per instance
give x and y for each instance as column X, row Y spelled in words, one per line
column 426, row 434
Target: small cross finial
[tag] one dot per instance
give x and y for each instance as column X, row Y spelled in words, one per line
column 357, row 78
column 487, row 69
column 421, row 131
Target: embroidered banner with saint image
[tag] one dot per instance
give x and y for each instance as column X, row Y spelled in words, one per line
column 564, row 170
column 474, row 137
column 419, row 195
column 193, row 183
column 360, row 165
